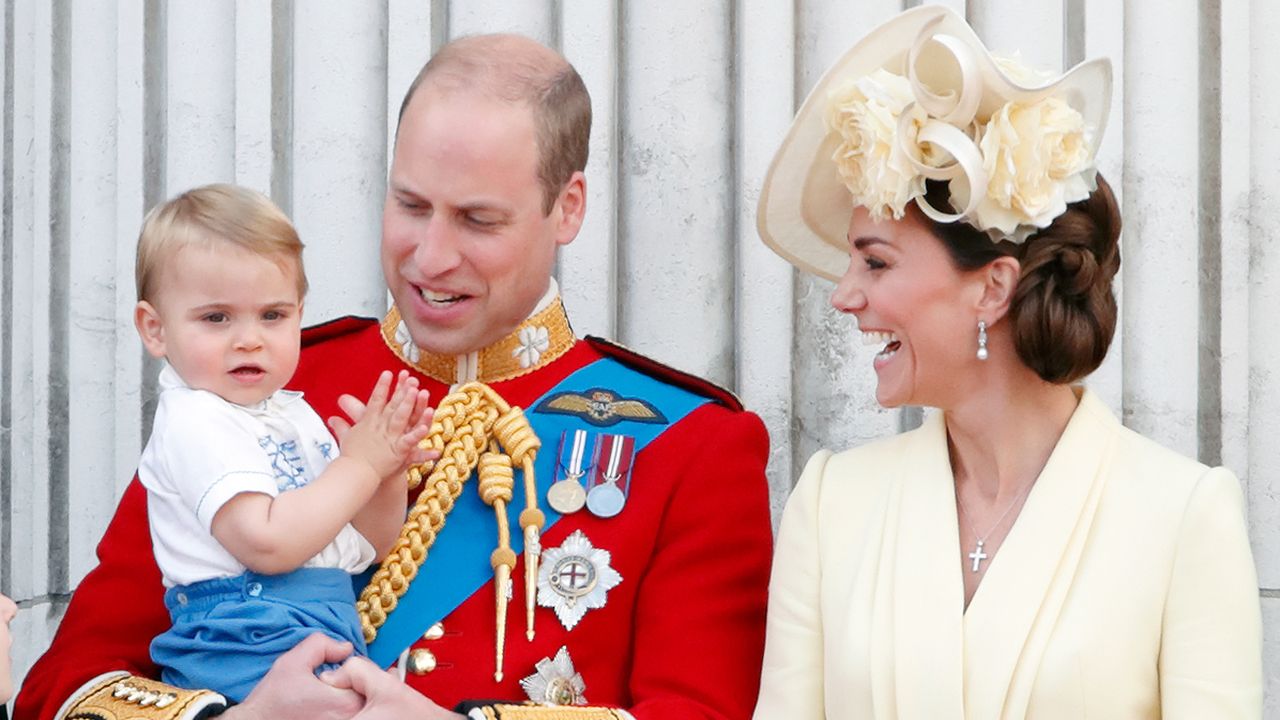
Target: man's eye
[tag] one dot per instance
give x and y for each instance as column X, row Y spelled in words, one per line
column 412, row 206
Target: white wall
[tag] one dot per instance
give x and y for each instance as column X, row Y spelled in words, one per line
column 112, row 106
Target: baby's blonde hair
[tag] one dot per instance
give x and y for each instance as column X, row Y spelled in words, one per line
column 213, row 214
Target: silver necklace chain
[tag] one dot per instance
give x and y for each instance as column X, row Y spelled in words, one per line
column 978, row 555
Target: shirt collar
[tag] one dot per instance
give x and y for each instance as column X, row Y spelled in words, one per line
column 542, row 338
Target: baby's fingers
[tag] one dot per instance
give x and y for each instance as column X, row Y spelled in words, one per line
column 340, row 427
column 423, row 413
column 406, row 443
column 352, row 406
column 401, row 406
column 378, row 398
column 419, row 456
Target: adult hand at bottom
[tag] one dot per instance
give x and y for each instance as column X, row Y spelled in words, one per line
column 385, row 697
column 290, row 690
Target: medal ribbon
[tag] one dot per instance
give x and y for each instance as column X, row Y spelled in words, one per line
column 574, row 471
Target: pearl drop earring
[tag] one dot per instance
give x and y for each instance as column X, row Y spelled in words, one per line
column 982, row 339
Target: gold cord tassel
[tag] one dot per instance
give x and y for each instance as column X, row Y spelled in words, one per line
column 470, row 421
column 497, row 484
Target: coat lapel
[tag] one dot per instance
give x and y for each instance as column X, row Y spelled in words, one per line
column 925, row 603
column 1011, row 617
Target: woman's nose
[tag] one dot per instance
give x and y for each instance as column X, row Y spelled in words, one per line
column 848, row 297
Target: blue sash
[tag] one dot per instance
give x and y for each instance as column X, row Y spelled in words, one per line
column 457, row 565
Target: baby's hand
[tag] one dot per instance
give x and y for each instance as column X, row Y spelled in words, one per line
column 387, row 429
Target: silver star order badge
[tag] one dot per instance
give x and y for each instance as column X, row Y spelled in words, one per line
column 555, row 682
column 574, row 578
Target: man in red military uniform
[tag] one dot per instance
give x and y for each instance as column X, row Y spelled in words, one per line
column 655, row 535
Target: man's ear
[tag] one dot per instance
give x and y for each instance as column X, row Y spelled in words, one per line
column 572, row 205
column 147, row 319
column 1000, row 281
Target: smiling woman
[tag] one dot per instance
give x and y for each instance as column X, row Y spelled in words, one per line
column 984, row 565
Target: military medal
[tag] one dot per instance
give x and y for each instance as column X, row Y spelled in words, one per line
column 566, row 495
column 611, row 477
column 574, row 578
column 555, row 682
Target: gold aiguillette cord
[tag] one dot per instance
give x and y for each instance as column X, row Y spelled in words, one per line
column 471, row 421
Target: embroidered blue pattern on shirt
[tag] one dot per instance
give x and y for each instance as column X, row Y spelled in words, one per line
column 285, row 462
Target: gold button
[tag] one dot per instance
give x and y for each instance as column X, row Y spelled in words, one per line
column 435, row 632
column 421, row 662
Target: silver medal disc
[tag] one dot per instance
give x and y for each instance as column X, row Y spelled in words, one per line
column 566, row 496
column 606, row 500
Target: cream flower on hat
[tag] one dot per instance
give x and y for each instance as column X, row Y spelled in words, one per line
column 1038, row 161
column 866, row 114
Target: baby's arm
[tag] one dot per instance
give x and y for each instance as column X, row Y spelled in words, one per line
column 273, row 535
column 381, row 519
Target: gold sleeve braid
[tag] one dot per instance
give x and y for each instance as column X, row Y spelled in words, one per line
column 470, row 421
column 550, row 712
column 121, row 697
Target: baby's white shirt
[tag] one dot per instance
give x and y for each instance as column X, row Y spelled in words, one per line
column 204, row 451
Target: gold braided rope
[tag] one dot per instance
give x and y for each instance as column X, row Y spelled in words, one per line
column 496, row 485
column 471, row 421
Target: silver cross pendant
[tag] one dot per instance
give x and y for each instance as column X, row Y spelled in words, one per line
column 977, row 556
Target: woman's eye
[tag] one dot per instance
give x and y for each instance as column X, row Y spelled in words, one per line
column 874, row 263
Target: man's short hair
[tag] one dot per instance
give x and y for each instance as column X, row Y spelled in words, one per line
column 212, row 215
column 544, row 80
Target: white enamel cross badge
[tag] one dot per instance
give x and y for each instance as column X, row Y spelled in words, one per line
column 574, row 578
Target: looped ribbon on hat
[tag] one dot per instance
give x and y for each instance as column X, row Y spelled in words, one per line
column 950, row 114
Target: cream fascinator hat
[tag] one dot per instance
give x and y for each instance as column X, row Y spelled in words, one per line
column 920, row 98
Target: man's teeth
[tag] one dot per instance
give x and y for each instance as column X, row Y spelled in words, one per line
column 436, row 297
column 877, row 337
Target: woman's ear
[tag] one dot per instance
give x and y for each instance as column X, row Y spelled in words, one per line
column 1000, row 281
column 150, row 328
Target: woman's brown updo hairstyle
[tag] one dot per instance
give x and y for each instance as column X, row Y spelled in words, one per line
column 1063, row 312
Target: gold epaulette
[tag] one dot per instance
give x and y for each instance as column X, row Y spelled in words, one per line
column 530, row 711
column 135, row 698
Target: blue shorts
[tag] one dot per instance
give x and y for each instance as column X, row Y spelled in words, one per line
column 227, row 632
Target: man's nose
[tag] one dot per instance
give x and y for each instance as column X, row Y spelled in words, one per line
column 438, row 250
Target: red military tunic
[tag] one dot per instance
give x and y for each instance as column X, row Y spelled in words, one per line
column 680, row 637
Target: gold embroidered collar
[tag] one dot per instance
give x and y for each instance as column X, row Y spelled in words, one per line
column 535, row 343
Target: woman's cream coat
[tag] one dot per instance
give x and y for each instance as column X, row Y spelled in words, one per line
column 1125, row 589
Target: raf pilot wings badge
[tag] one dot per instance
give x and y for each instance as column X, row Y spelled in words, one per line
column 601, row 407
